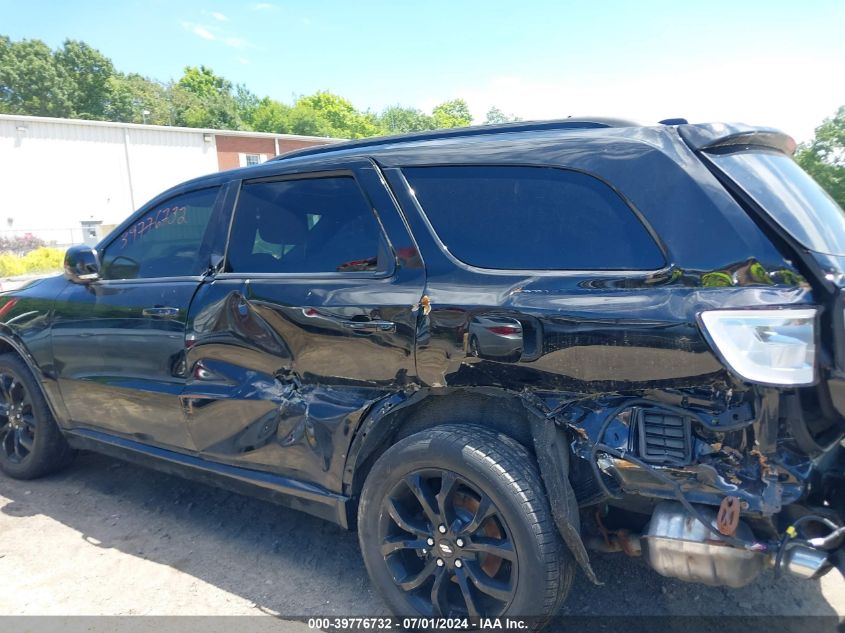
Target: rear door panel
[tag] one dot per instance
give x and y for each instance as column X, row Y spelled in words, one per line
column 281, row 368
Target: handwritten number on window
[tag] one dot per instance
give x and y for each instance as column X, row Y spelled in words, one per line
column 162, row 218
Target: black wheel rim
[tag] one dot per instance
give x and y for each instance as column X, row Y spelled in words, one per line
column 17, row 420
column 447, row 546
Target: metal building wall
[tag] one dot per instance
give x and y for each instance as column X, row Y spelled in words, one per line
column 55, row 173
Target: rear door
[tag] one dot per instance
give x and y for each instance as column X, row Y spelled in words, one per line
column 119, row 341
column 312, row 322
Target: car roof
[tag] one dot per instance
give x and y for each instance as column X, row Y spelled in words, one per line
column 496, row 143
column 581, row 123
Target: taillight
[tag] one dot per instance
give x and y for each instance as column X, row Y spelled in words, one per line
column 775, row 347
column 7, row 306
column 504, row 329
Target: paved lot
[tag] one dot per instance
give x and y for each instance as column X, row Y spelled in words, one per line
column 108, row 538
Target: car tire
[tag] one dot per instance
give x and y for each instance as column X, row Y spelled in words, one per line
column 31, row 444
column 404, row 509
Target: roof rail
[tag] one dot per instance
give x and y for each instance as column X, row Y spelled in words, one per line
column 474, row 130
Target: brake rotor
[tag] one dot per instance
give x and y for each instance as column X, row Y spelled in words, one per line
column 490, row 528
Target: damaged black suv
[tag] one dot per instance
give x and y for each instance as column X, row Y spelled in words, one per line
column 491, row 349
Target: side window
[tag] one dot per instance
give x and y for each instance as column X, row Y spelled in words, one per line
column 532, row 218
column 313, row 225
column 164, row 242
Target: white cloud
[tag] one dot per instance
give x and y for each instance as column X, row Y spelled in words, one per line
column 202, row 32
column 199, row 30
column 263, row 6
column 216, row 33
column 219, row 16
column 792, row 94
column 243, row 60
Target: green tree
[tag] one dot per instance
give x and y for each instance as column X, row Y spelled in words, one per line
column 131, row 95
column 247, row 103
column 91, row 72
column 400, row 120
column 824, row 157
column 203, row 99
column 332, row 115
column 31, row 82
column 271, row 116
column 495, row 115
column 453, row 113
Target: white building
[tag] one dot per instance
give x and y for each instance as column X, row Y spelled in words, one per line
column 57, row 174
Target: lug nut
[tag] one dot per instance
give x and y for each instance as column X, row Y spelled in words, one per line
column 459, row 542
column 442, row 529
column 430, row 542
column 440, row 562
column 458, row 563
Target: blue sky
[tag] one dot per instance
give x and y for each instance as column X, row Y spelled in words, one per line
column 776, row 62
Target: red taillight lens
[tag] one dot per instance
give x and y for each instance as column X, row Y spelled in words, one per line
column 7, row 306
column 504, row 329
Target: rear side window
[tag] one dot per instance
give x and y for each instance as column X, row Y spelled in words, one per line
column 790, row 196
column 532, row 218
column 314, row 225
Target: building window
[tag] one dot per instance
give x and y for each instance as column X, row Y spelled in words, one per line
column 248, row 160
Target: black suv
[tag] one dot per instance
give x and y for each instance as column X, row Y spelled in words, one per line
column 491, row 349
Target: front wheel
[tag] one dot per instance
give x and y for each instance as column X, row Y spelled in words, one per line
column 454, row 522
column 31, row 444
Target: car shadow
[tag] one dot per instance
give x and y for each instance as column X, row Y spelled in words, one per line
column 292, row 564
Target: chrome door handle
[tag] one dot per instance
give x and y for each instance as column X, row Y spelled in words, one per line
column 370, row 326
column 161, row 312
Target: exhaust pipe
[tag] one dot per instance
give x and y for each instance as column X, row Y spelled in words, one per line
column 677, row 545
column 805, row 561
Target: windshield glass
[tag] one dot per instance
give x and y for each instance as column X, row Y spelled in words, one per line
column 790, row 196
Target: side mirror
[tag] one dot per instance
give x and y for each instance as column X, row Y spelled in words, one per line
column 82, row 265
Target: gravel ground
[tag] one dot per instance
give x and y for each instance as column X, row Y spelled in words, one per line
column 108, row 538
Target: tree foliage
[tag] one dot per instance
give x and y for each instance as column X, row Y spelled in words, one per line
column 137, row 99
column 400, row 120
column 453, row 113
column 78, row 81
column 495, row 115
column 88, row 72
column 32, row 82
column 824, row 157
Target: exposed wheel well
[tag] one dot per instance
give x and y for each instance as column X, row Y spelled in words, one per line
column 502, row 413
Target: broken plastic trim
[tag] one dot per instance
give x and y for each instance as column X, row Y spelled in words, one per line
column 554, row 472
column 598, row 446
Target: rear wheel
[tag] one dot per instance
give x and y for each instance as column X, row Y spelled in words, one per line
column 31, row 444
column 454, row 522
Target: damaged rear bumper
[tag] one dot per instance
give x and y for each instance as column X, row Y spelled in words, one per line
column 678, row 460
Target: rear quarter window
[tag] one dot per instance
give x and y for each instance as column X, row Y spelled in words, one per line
column 532, row 218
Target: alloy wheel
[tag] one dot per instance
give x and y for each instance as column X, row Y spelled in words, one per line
column 17, row 419
column 447, row 546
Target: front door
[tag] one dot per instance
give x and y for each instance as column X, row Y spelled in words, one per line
column 119, row 342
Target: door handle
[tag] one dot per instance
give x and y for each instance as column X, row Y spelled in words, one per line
column 370, row 326
column 161, row 312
